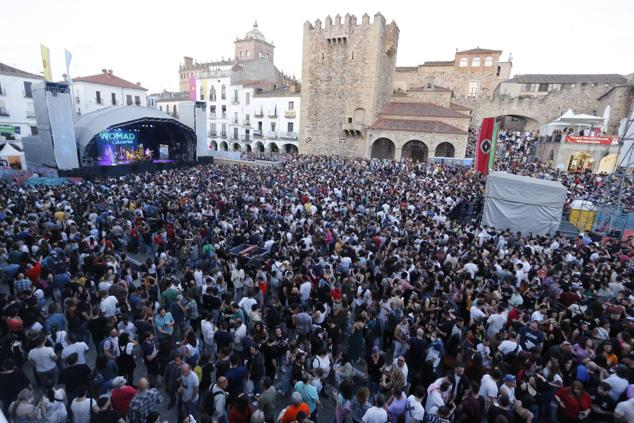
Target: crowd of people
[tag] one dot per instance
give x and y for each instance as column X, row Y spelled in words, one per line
column 370, row 304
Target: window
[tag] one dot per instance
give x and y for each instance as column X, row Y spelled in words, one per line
column 235, row 117
column 291, row 105
column 223, row 92
column 542, row 88
column 224, row 130
column 526, row 88
column 28, row 91
column 497, row 72
column 212, row 94
column 161, row 108
column 212, row 129
column 235, row 133
column 224, row 112
column 247, row 119
column 473, row 89
column 247, row 134
column 34, row 130
column 247, row 98
column 488, row 62
column 137, row 100
column 202, row 93
column 128, row 100
column 475, row 62
column 98, row 97
column 212, row 112
column 463, row 62
column 289, row 127
column 272, row 126
column 246, row 53
column 2, row 91
column 235, row 96
column 113, row 98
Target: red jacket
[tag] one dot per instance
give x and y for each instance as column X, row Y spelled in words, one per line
column 121, row 398
column 573, row 405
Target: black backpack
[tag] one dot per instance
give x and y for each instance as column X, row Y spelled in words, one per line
column 209, row 407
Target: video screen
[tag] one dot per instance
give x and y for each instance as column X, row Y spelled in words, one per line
column 119, row 146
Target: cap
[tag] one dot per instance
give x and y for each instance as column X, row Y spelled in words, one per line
column 509, row 378
column 375, row 349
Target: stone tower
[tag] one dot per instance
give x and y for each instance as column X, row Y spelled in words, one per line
column 347, row 74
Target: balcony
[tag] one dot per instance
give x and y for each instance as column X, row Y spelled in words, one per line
column 223, row 135
column 259, row 115
column 213, row 134
column 288, row 135
column 353, row 129
column 235, row 102
column 273, row 115
column 4, row 111
column 224, row 116
column 290, row 114
column 257, row 134
column 234, row 121
column 246, row 123
column 212, row 116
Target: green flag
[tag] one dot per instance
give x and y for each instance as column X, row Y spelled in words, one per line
column 494, row 144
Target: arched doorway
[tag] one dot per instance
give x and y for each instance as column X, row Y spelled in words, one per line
column 236, row 146
column 247, row 148
column 415, row 150
column 580, row 161
column 383, row 148
column 273, row 148
column 608, row 163
column 290, row 148
column 445, row 149
column 224, row 146
column 259, row 147
column 213, row 146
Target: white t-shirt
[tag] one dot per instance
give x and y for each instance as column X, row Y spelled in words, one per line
column 44, row 358
column 476, row 313
column 304, row 291
column 108, row 306
column 618, row 385
column 375, row 415
column 508, row 346
column 415, row 410
column 434, row 402
column 625, row 409
column 496, row 323
column 488, row 388
column 246, row 303
column 78, row 347
column 81, row 409
column 323, row 363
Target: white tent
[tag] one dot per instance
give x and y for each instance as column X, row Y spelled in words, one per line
column 11, row 154
column 571, row 120
column 522, row 203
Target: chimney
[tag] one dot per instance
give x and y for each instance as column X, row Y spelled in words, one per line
column 104, row 71
column 109, row 71
column 138, row 84
column 188, row 61
column 292, row 88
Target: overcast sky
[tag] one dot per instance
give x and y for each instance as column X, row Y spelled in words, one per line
column 143, row 40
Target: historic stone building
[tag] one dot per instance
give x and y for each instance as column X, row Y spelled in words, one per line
column 420, row 123
column 474, row 73
column 347, row 71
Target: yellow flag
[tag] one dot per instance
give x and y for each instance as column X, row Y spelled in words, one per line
column 204, row 93
column 46, row 62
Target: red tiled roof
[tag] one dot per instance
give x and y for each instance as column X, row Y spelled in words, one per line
column 109, row 79
column 439, row 63
column 420, row 110
column 10, row 70
column 434, row 88
column 416, row 126
column 459, row 107
column 479, row 50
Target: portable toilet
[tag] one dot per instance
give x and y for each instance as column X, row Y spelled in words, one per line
column 582, row 214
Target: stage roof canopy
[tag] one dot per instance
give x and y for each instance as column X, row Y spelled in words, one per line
column 90, row 124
